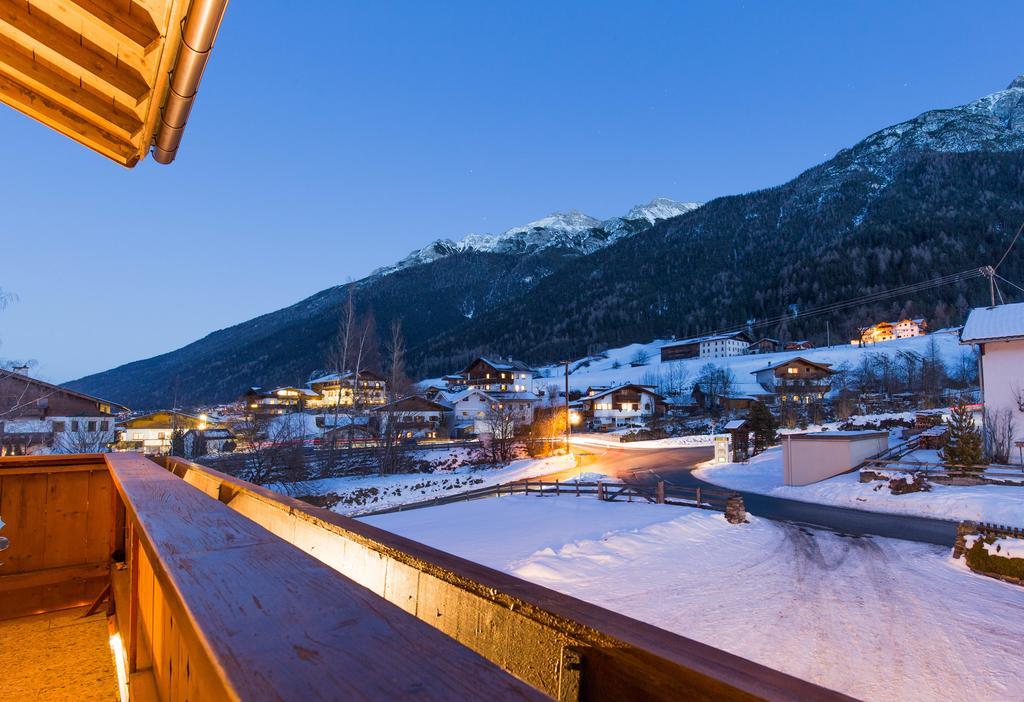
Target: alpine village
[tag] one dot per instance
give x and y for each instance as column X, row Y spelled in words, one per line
column 766, row 445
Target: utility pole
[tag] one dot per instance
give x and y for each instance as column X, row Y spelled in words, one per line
column 828, row 334
column 567, row 429
column 990, row 273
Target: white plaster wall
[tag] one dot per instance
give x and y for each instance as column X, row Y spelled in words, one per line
column 1002, row 369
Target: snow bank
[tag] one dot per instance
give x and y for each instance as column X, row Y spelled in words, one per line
column 1001, row 504
column 369, row 493
column 672, row 442
column 877, row 619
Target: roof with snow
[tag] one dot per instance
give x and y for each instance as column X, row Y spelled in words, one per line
column 1000, row 323
column 508, row 364
column 711, row 337
column 786, row 362
column 347, row 375
column 648, row 389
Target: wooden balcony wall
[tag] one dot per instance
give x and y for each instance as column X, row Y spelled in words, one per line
column 210, row 605
column 567, row 648
column 61, row 517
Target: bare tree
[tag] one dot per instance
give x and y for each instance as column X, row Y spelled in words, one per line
column 83, row 440
column 345, row 359
column 999, row 432
column 391, row 452
column 499, row 431
column 715, row 382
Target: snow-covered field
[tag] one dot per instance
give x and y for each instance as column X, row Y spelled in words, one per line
column 369, row 493
column 875, row 618
column 1002, row 504
column 603, row 371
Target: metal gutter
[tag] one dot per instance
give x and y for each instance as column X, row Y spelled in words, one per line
column 198, row 33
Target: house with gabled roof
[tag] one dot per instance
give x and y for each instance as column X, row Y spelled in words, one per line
column 796, row 380
column 416, row 417
column 472, row 407
column 367, row 389
column 497, row 375
column 622, row 405
column 998, row 333
column 712, row 346
column 37, row 416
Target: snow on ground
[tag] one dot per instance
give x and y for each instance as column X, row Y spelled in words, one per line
column 875, row 618
column 1002, row 504
column 603, row 371
column 369, row 493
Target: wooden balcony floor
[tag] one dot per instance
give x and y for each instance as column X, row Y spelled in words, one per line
column 57, row 656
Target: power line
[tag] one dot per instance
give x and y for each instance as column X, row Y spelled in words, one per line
column 1010, row 247
column 1010, row 283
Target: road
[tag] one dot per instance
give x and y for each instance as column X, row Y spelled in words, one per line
column 675, row 466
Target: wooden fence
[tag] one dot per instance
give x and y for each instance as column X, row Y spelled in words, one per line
column 1000, row 531
column 947, row 470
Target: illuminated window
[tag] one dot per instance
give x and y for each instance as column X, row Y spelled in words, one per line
column 792, row 370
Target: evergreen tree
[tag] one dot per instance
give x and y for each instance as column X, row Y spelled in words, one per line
column 964, row 446
column 178, row 442
column 763, row 425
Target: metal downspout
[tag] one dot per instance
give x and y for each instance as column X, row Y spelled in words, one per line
column 198, row 32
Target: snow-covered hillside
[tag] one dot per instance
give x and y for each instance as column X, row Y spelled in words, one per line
column 614, row 366
column 572, row 230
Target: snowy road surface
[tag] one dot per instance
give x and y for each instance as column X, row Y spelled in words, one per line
column 1001, row 504
column 875, row 618
column 675, row 467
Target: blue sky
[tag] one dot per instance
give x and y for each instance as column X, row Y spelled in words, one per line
column 332, row 139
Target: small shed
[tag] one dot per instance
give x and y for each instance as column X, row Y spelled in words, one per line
column 739, row 431
column 815, row 456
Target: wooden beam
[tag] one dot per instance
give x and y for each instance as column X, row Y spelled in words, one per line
column 126, row 17
column 49, row 32
column 55, row 115
column 38, row 73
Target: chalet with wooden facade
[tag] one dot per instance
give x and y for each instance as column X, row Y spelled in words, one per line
column 714, row 346
column 624, row 405
column 152, row 433
column 368, row 389
column 416, row 417
column 795, row 381
column 764, row 345
column 39, row 417
column 499, row 376
column 800, row 345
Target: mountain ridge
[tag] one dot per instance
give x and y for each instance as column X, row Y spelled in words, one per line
column 930, row 195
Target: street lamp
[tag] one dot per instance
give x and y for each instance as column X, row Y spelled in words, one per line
column 568, row 429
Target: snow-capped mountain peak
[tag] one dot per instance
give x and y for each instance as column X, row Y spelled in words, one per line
column 660, row 208
column 572, row 231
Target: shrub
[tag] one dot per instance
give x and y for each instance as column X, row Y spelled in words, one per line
column 982, row 561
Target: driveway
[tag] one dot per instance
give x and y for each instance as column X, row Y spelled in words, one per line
column 675, row 465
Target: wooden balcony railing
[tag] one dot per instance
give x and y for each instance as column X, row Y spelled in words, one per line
column 222, row 590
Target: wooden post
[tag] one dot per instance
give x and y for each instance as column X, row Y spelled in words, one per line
column 600, row 490
column 698, row 496
column 556, row 488
column 660, row 492
column 577, row 488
